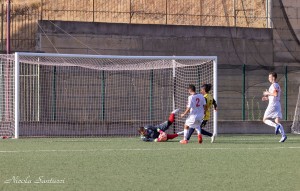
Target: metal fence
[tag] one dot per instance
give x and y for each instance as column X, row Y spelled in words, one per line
column 23, row 26
column 242, row 13
column 24, row 16
column 240, row 95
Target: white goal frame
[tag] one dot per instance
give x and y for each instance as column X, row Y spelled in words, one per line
column 17, row 55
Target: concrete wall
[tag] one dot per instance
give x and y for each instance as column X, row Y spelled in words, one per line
column 233, row 46
column 286, row 23
column 44, row 129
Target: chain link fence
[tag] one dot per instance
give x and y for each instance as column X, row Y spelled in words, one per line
column 240, row 94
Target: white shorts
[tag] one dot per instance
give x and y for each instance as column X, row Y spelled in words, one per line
column 193, row 121
column 273, row 111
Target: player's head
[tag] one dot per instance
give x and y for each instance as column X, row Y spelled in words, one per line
column 205, row 88
column 192, row 89
column 142, row 131
column 272, row 77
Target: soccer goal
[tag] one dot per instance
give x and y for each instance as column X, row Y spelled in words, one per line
column 296, row 121
column 73, row 95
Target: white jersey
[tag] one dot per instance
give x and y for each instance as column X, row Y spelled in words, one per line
column 274, row 99
column 196, row 104
column 274, row 108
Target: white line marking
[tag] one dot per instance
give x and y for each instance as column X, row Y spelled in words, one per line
column 157, row 149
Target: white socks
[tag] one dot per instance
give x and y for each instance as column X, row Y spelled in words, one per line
column 198, row 130
column 270, row 123
column 185, row 134
column 281, row 130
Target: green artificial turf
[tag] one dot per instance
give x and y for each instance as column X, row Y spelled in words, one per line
column 233, row 163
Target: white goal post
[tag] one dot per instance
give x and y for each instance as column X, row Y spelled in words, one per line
column 76, row 95
column 296, row 121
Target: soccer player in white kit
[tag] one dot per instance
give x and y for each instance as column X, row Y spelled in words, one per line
column 273, row 110
column 195, row 108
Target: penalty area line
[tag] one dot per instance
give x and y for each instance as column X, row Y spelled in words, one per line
column 156, row 149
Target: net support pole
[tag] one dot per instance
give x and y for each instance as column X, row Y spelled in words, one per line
column 54, row 95
column 269, row 13
column 285, row 93
column 244, row 93
column 174, row 88
column 2, row 26
column 151, row 95
column 215, row 76
column 17, row 95
column 103, row 96
column 8, row 27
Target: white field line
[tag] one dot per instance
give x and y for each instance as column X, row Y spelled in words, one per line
column 155, row 149
column 137, row 138
column 120, row 140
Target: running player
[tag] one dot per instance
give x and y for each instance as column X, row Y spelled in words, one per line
column 273, row 110
column 204, row 90
column 195, row 108
column 157, row 133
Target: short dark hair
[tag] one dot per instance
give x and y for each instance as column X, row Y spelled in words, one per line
column 141, row 129
column 206, row 87
column 192, row 87
column 274, row 74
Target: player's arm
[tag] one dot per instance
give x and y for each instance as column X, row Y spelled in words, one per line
column 153, row 128
column 146, row 139
column 274, row 93
column 215, row 104
column 188, row 107
column 264, row 98
column 185, row 112
column 205, row 105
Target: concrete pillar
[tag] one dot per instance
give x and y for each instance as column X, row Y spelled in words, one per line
column 269, row 6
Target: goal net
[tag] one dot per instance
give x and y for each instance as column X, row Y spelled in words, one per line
column 296, row 121
column 51, row 95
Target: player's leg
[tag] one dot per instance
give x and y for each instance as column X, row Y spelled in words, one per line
column 281, row 130
column 190, row 121
column 269, row 113
column 165, row 125
column 267, row 121
column 190, row 133
column 198, row 129
column 185, row 133
column 203, row 131
column 172, row 136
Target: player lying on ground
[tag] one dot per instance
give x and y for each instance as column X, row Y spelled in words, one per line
column 157, row 132
column 204, row 90
column 273, row 110
column 195, row 108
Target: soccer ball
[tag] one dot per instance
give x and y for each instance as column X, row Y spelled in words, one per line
column 162, row 137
